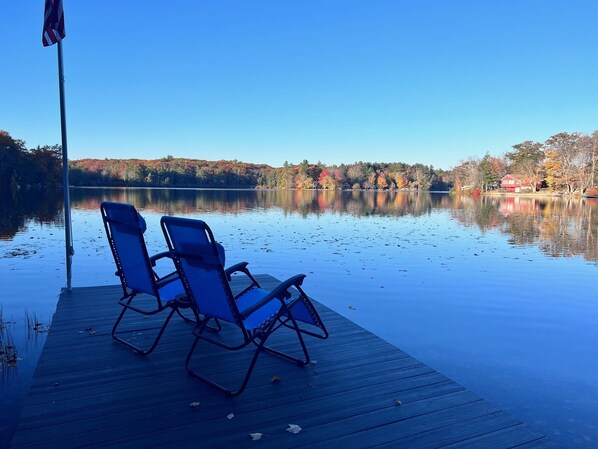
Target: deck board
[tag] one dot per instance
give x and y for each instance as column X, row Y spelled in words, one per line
column 89, row 391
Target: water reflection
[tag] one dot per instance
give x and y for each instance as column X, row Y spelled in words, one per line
column 559, row 227
column 19, row 207
column 181, row 202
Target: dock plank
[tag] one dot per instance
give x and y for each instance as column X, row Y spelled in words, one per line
column 89, row 391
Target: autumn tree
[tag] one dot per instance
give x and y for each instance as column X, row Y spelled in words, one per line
column 594, row 158
column 41, row 166
column 589, row 157
column 422, row 177
column 303, row 180
column 527, row 161
column 370, row 182
column 338, row 173
column 400, row 180
column 11, row 160
column 285, row 177
column 46, row 167
column 488, row 173
column 382, row 181
column 467, row 175
column 357, row 174
column 327, row 180
column 564, row 161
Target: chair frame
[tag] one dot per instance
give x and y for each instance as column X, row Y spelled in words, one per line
column 282, row 318
column 157, row 282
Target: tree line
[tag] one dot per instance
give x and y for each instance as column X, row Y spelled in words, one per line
column 566, row 162
column 19, row 166
column 179, row 172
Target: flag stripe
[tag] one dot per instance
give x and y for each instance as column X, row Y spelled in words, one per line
column 53, row 23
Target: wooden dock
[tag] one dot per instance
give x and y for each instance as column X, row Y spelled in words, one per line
column 361, row 392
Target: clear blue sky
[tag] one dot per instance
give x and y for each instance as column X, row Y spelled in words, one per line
column 336, row 81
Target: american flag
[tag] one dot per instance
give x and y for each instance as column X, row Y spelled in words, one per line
column 53, row 23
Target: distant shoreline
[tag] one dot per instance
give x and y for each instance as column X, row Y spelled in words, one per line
column 490, row 193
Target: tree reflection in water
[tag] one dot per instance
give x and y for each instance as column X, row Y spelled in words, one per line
column 560, row 227
column 18, row 207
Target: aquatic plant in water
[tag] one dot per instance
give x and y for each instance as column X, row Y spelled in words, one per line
column 8, row 350
column 35, row 324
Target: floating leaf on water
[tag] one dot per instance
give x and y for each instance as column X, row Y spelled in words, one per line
column 275, row 379
column 294, row 429
column 256, row 436
column 194, row 404
column 230, row 416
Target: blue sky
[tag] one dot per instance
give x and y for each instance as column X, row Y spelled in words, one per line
column 332, row 81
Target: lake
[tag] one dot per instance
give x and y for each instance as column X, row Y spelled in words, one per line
column 498, row 293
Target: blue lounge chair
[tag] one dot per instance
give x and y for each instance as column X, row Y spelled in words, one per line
column 256, row 312
column 124, row 229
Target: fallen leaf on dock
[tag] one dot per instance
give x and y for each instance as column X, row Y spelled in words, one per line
column 294, row 429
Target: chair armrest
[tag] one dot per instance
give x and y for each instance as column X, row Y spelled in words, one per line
column 280, row 292
column 241, row 266
column 159, row 256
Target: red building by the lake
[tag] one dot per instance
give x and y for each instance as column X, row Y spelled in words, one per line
column 512, row 183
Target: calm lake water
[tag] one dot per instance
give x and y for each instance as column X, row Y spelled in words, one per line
column 497, row 293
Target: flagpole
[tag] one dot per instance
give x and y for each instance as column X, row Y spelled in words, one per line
column 68, row 234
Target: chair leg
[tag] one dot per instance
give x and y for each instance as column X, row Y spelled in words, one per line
column 298, row 331
column 186, row 319
column 261, row 345
column 222, row 388
column 250, row 369
column 195, row 374
column 323, row 335
column 315, row 318
column 130, row 345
